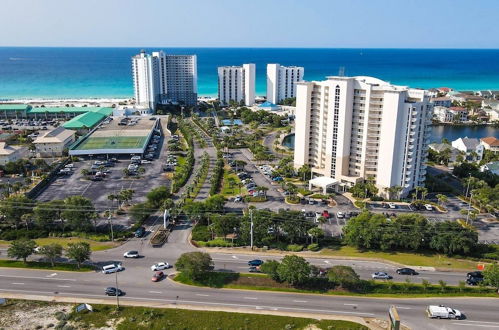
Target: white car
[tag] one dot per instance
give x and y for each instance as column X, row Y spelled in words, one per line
column 160, row 266
column 340, row 215
column 428, row 207
column 442, row 312
column 131, row 254
column 112, row 268
column 392, row 206
column 381, row 276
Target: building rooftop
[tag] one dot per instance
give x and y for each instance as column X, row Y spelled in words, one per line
column 14, row 107
column 441, row 98
column 85, row 120
column 457, row 109
column 6, row 150
column 58, row 135
column 439, row 147
column 469, row 143
column 493, row 166
column 491, row 141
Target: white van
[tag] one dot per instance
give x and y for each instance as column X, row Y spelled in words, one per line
column 112, row 268
column 442, row 312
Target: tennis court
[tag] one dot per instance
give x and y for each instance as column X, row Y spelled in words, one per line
column 114, row 142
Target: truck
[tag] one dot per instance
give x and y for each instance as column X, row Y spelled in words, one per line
column 443, row 312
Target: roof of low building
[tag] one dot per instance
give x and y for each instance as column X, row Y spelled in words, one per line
column 491, row 141
column 14, row 107
column 458, row 109
column 470, row 143
column 70, row 110
column 6, row 150
column 441, row 98
column 85, row 120
column 57, row 135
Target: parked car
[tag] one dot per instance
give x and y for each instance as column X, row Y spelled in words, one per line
column 97, row 178
column 381, row 276
column 406, row 271
column 112, row 268
column 131, row 254
column 428, row 207
column 238, row 199
column 140, row 232
column 255, row 262
column 340, row 215
column 111, row 291
column 277, row 178
column 158, row 276
column 442, row 312
column 160, row 266
column 392, row 205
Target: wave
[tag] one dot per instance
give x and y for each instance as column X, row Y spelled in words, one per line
column 18, row 59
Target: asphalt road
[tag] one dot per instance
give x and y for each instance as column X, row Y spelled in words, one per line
column 135, row 280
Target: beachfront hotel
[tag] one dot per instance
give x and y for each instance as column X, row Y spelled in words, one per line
column 160, row 78
column 281, row 81
column 349, row 129
column 237, row 83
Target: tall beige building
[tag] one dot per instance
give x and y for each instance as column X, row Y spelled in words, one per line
column 353, row 128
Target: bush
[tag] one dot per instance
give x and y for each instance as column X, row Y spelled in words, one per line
column 218, row 242
column 201, row 233
column 13, row 234
column 295, row 247
column 377, row 198
column 313, row 247
column 292, row 199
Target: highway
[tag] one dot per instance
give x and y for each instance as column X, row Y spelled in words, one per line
column 135, row 280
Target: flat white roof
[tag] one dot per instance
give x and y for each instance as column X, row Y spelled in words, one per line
column 323, row 181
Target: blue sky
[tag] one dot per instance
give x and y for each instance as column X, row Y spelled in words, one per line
column 251, row 23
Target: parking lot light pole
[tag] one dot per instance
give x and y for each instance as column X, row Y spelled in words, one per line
column 251, row 228
column 117, row 291
column 111, row 224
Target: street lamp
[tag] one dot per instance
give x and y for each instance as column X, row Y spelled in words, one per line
column 117, row 291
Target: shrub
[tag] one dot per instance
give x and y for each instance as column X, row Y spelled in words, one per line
column 313, row 247
column 201, row 233
column 295, row 247
column 377, row 198
column 292, row 199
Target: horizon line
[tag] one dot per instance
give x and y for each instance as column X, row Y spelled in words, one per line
column 259, row 47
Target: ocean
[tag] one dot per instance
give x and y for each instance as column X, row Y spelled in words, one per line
column 34, row 72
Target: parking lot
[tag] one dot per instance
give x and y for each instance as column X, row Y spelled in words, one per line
column 115, row 180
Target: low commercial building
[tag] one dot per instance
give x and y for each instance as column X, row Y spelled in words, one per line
column 471, row 147
column 490, row 143
column 87, row 121
column 9, row 153
column 26, row 111
column 53, row 143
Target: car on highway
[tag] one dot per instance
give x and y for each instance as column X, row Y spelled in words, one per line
column 254, row 269
column 476, row 274
column 140, row 232
column 255, row 262
column 381, row 276
column 111, row 291
column 112, row 268
column 158, row 276
column 406, row 271
column 131, row 254
column 443, row 312
column 474, row 280
column 160, row 266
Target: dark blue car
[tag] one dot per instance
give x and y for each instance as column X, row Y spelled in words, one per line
column 256, row 262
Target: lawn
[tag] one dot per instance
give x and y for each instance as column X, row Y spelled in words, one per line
column 411, row 259
column 95, row 246
column 166, row 318
column 228, row 191
column 262, row 282
column 44, row 265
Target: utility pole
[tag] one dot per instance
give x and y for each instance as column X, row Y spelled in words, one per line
column 468, row 186
column 117, row 291
column 111, row 225
column 251, row 228
column 469, row 207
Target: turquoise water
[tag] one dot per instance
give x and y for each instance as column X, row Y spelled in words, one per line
column 106, row 72
column 451, row 133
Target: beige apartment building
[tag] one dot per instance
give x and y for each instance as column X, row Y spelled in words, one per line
column 352, row 128
column 52, row 143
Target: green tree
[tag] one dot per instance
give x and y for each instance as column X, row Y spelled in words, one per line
column 315, row 232
column 45, row 213
column 51, row 252
column 79, row 251
column 270, row 268
column 14, row 207
column 491, row 275
column 156, row 196
column 344, row 276
column 443, row 285
column 79, row 212
column 425, row 284
column 194, row 264
column 294, row 270
column 21, row 249
column 224, row 224
column 442, row 199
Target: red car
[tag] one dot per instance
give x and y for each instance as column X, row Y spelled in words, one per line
column 325, row 214
column 158, row 276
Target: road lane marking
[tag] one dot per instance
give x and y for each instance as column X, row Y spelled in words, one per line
column 253, row 298
column 52, row 275
column 400, row 307
column 300, row 301
column 482, row 322
column 202, row 295
column 476, row 325
column 64, row 286
column 235, row 257
column 155, row 292
column 16, row 283
column 350, row 304
column 42, row 278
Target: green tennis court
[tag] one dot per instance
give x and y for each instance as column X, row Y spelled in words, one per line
column 115, row 142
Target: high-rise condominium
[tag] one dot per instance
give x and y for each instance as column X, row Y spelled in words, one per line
column 237, row 83
column 281, row 81
column 356, row 128
column 162, row 78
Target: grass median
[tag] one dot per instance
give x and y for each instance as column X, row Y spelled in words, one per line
column 262, row 282
column 45, row 265
column 64, row 241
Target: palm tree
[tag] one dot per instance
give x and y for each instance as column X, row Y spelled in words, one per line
column 424, row 192
column 322, row 220
column 441, row 199
column 315, row 232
